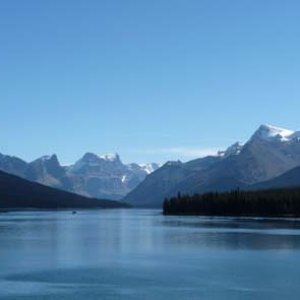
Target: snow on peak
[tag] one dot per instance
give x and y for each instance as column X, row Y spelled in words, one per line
column 89, row 156
column 271, row 133
column 110, row 156
column 149, row 168
column 234, row 149
column 44, row 158
column 173, row 163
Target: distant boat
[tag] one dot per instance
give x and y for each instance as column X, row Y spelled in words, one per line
column 74, row 212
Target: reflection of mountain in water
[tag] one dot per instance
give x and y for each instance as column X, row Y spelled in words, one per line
column 228, row 233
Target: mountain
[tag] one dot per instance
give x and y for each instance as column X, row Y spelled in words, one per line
column 270, row 152
column 12, row 165
column 289, row 179
column 166, row 181
column 149, row 168
column 47, row 170
column 106, row 176
column 18, row 193
column 92, row 175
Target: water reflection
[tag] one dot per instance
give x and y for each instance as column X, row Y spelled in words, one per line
column 231, row 233
column 141, row 254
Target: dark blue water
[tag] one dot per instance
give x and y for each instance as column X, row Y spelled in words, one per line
column 140, row 254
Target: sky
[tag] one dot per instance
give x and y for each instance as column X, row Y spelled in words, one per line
column 152, row 80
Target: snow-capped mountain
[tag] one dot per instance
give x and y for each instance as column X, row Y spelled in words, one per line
column 270, row 152
column 149, row 168
column 105, row 176
column 234, row 149
column 275, row 134
column 92, row 164
column 92, row 175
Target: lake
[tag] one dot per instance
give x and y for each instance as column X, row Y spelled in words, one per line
column 141, row 254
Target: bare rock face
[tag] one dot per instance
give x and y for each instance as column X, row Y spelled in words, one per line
column 105, row 176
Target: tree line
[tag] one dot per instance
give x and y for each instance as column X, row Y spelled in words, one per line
column 270, row 203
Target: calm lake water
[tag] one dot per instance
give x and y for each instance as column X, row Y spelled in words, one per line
column 140, row 254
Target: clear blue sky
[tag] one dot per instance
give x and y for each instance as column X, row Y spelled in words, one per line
column 152, row 80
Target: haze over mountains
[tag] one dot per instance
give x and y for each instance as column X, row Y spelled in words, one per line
column 103, row 177
column 269, row 153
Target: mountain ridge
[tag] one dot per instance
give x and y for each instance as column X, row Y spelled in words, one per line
column 19, row 193
column 92, row 176
column 269, row 152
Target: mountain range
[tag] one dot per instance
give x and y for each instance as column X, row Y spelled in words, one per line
column 103, row 177
column 264, row 161
column 269, row 159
